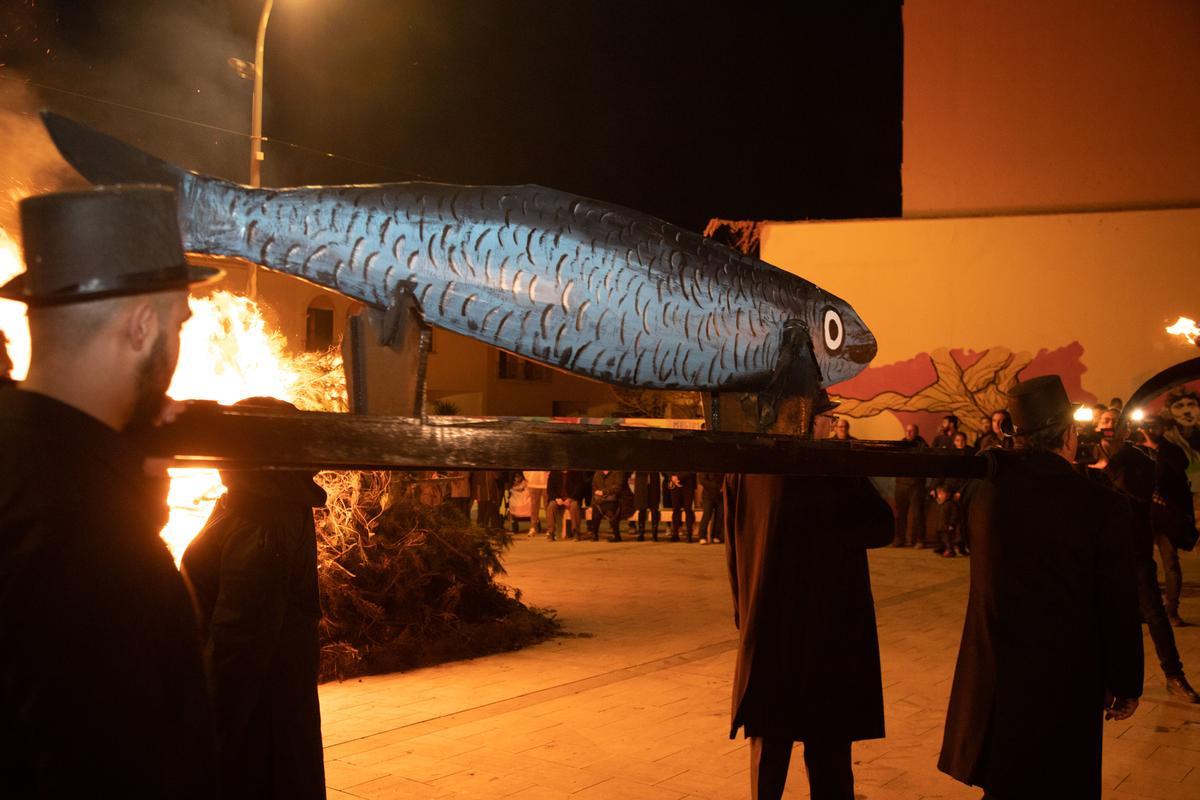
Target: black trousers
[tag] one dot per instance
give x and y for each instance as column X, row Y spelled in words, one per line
column 830, row 774
column 1155, row 617
column 609, row 510
column 655, row 517
column 910, row 512
column 487, row 514
column 682, row 500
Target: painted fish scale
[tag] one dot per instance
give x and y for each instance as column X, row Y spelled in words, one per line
column 587, row 286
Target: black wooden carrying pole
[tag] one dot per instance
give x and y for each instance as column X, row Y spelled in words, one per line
column 232, row 438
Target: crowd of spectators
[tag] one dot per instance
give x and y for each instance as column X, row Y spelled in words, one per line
column 575, row 504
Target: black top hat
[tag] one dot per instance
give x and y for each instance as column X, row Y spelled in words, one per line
column 1039, row 403
column 101, row 242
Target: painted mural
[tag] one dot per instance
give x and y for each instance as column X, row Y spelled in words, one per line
column 970, row 384
column 1179, row 411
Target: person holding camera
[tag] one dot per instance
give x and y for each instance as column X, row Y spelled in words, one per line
column 1134, row 470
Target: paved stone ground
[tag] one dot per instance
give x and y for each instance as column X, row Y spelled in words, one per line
column 634, row 703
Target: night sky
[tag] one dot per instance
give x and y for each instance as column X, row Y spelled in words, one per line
column 687, row 110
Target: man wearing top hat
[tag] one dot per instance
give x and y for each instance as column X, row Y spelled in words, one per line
column 103, row 691
column 1052, row 642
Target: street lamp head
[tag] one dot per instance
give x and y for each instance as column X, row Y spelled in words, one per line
column 244, row 69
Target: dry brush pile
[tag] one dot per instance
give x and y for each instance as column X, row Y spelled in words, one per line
column 406, row 581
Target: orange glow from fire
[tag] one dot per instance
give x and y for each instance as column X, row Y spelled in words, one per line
column 12, row 313
column 1186, row 328
column 226, row 354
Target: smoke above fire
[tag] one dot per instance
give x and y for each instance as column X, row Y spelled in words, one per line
column 29, row 162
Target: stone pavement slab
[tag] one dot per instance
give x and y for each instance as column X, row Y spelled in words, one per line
column 634, row 701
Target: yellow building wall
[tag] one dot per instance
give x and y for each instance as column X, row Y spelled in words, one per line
column 1050, row 105
column 460, row 370
column 1086, row 295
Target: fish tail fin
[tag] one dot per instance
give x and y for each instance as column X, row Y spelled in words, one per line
column 103, row 159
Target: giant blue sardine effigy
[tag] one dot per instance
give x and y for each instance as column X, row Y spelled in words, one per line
column 585, row 286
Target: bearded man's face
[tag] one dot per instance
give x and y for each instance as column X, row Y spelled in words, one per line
column 153, row 378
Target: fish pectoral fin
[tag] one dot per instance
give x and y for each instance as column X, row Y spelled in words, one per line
column 399, row 314
column 796, row 377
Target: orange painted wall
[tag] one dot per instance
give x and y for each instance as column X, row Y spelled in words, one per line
column 1027, row 105
column 1088, row 295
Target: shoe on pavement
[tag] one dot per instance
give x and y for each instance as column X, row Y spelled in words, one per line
column 704, row 541
column 947, row 553
column 1178, row 686
column 1176, row 621
column 716, row 540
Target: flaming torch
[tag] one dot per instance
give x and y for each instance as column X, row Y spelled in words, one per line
column 1187, row 329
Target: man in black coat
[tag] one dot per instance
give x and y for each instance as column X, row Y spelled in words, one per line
column 1052, row 642
column 681, row 487
column 808, row 651
column 712, row 506
column 253, row 574
column 102, row 690
column 910, row 499
column 647, row 502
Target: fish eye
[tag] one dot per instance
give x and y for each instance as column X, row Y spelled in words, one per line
column 834, row 332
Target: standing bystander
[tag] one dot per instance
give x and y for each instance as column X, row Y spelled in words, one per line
column 945, row 438
column 712, row 506
column 910, row 499
column 535, row 482
column 682, row 488
column 647, row 502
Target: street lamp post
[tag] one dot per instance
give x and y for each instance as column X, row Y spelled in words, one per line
column 256, row 71
column 256, row 152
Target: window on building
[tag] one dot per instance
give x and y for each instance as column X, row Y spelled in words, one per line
column 516, row 368
column 318, row 329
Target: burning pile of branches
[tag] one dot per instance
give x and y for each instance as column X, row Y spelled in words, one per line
column 406, row 581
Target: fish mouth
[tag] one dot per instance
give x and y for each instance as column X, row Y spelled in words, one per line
column 862, row 352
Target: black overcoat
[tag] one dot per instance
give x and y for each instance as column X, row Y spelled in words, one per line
column 808, row 651
column 102, row 690
column 647, row 490
column 566, row 484
column 1052, row 623
column 253, row 573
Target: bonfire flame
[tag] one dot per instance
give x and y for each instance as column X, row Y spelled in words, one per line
column 12, row 313
column 227, row 353
column 1186, row 328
